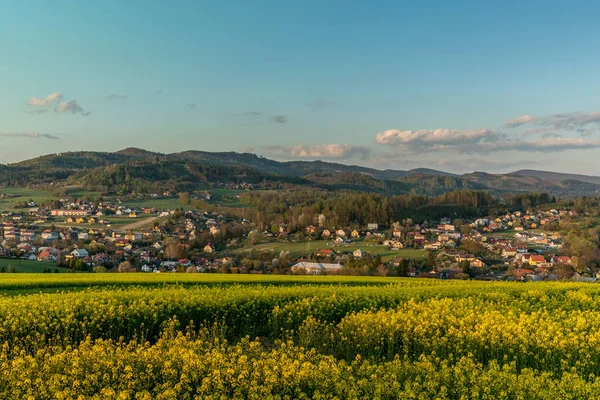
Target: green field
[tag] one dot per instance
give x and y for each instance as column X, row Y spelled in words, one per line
column 304, row 249
column 163, row 203
column 26, row 265
column 23, row 194
column 212, row 336
column 77, row 192
column 226, row 197
column 116, row 222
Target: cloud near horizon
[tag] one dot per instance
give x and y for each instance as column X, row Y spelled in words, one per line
column 319, row 151
column 473, row 141
column 30, row 135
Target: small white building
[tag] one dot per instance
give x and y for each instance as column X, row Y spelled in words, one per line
column 80, row 253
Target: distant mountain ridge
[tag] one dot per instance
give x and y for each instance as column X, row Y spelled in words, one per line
column 191, row 169
column 557, row 176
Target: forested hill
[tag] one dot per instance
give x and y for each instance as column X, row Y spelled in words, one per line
column 139, row 170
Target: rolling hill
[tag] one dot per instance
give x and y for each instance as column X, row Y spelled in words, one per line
column 134, row 168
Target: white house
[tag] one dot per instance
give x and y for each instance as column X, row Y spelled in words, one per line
column 80, row 253
column 358, row 253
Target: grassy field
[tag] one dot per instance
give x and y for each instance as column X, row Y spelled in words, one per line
column 23, row 194
column 304, row 249
column 77, row 192
column 117, row 223
column 226, row 197
column 163, row 203
column 197, row 336
column 27, row 266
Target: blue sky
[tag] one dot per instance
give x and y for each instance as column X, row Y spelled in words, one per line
column 385, row 84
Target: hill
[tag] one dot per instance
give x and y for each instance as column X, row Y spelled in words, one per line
column 557, row 176
column 134, row 169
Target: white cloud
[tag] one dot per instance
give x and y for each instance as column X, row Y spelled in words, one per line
column 475, row 141
column 43, row 104
column 70, row 107
column 319, row 151
column 45, row 101
column 524, row 119
column 31, row 135
column 435, row 139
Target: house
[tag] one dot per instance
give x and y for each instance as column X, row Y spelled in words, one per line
column 535, row 259
column 209, row 248
column 340, row 233
column 432, row 246
column 326, row 233
column 372, row 226
column 561, row 260
column 339, row 240
column 521, row 273
column 147, row 268
column 49, row 235
column 395, row 244
column 397, row 233
column 476, row 263
column 46, row 256
column 311, row 268
column 450, row 273
column 80, row 253
column 509, row 252
column 355, row 234
column 326, row 253
column 358, row 253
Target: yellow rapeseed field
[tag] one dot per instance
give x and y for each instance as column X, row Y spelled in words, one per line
column 193, row 336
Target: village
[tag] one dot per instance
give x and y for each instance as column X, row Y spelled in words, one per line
column 82, row 235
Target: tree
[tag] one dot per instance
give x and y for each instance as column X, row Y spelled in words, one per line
column 472, row 246
column 430, row 260
column 174, row 250
column 126, row 266
column 184, row 198
column 466, row 267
